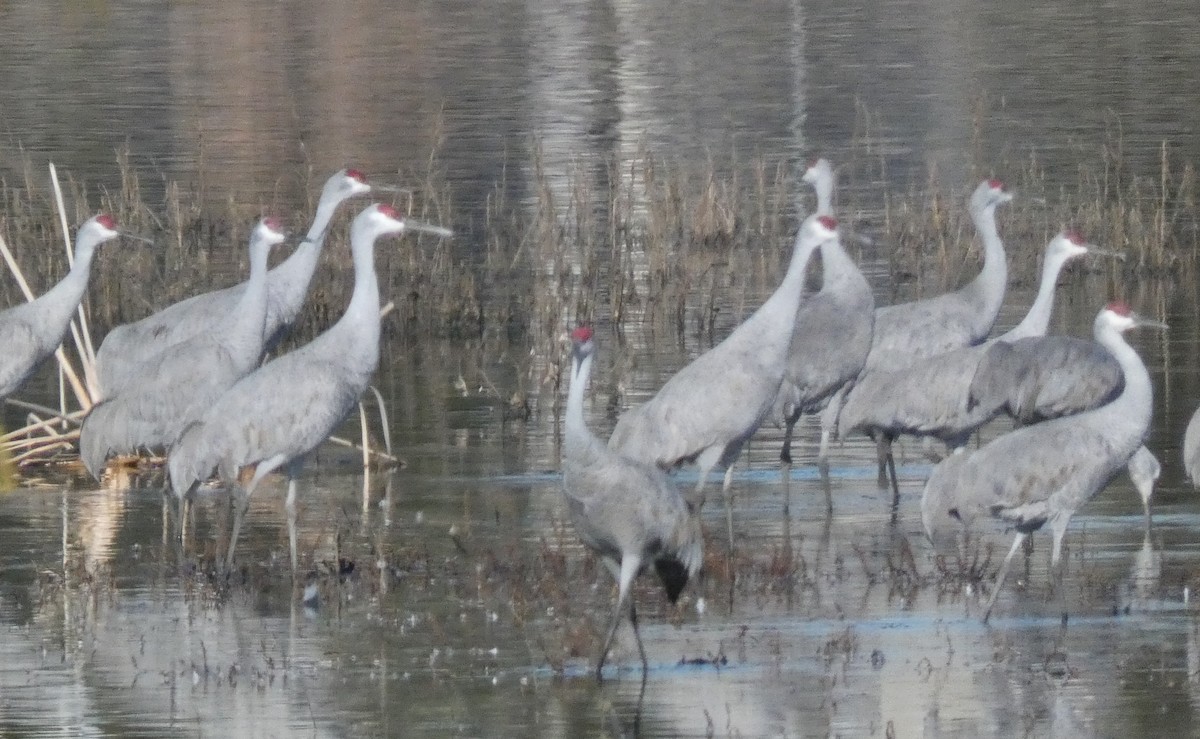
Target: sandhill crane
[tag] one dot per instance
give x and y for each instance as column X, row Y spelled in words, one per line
column 277, row 414
column 923, row 328
column 30, row 332
column 173, row 388
column 125, row 347
column 1144, row 471
column 907, row 332
column 819, row 174
column 1041, row 474
column 1191, row 449
column 627, row 512
column 932, row 396
column 831, row 338
column 707, row 410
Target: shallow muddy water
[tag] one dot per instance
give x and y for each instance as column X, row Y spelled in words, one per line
column 453, row 599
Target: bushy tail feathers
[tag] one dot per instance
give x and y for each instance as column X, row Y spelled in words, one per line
column 93, row 447
column 684, row 563
column 191, row 459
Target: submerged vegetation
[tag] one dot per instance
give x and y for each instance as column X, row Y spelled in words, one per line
column 645, row 245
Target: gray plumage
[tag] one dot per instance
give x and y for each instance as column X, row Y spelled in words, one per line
column 1191, row 449
column 175, row 387
column 1042, row 474
column 945, row 396
column 832, row 333
column 707, row 410
column 1044, row 377
column 279, row 413
column 924, row 328
column 127, row 346
column 627, row 512
column 30, row 332
column 1144, row 470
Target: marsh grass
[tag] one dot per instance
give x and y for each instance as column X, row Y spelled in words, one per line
column 664, row 249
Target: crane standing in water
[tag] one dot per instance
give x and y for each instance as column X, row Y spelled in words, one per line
column 830, row 340
column 127, row 346
column 175, row 387
column 32, row 331
column 906, row 332
column 627, row 512
column 711, row 407
column 277, row 414
column 933, row 396
column 1042, row 474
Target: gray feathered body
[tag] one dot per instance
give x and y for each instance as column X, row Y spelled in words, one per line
column 30, row 332
column 1191, row 449
column 623, row 508
column 619, row 506
column 290, row 405
column 1044, row 377
column 831, row 338
column 174, row 387
column 713, row 405
column 927, row 398
column 286, row 408
column 127, row 346
column 907, row 332
column 1043, row 473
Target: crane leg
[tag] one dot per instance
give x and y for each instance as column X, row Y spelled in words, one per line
column 629, row 569
column 240, row 507
column 290, row 506
column 883, row 450
column 891, row 468
column 637, row 635
column 789, row 427
column 727, row 493
column 1012, row 551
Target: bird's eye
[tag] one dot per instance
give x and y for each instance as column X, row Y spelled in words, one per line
column 955, row 514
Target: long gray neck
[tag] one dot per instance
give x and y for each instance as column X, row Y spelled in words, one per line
column 1037, row 320
column 837, row 268
column 824, row 189
column 784, row 302
column 1134, row 404
column 360, row 322
column 57, row 305
column 248, row 319
column 580, row 445
column 576, row 429
column 302, row 262
column 987, row 289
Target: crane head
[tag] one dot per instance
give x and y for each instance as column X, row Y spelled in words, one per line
column 581, row 342
column 989, row 194
column 818, row 167
column 345, row 183
column 107, row 221
column 268, row 233
column 1118, row 315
